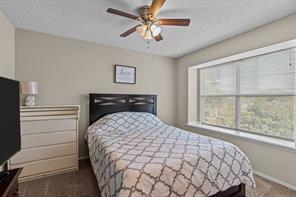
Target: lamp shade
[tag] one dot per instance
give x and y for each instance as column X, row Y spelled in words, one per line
column 29, row 87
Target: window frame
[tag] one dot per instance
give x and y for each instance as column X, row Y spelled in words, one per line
column 289, row 45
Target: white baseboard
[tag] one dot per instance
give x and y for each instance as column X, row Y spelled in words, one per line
column 275, row 180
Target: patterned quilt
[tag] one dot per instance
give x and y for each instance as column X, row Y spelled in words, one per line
column 135, row 154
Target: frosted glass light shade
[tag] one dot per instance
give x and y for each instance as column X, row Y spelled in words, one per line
column 141, row 30
column 155, row 30
column 29, row 87
column 148, row 35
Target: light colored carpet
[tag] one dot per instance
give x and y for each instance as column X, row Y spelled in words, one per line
column 83, row 184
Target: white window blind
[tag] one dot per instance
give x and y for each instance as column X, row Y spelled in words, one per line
column 252, row 95
column 271, row 74
column 218, row 80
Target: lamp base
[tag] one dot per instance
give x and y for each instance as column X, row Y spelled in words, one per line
column 30, row 100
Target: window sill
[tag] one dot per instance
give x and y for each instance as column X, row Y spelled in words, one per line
column 285, row 144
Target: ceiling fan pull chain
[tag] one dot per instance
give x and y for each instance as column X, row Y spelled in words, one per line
column 148, row 44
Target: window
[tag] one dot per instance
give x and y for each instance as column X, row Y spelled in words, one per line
column 254, row 95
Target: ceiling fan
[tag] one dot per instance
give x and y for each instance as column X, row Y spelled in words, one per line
column 150, row 26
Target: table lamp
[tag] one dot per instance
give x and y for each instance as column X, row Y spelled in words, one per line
column 29, row 89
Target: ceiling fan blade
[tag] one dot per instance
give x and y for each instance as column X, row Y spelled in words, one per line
column 130, row 31
column 174, row 22
column 158, row 38
column 121, row 13
column 155, row 7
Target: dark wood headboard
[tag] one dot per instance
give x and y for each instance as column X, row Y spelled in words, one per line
column 103, row 104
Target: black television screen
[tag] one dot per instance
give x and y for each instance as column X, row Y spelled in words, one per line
column 10, row 141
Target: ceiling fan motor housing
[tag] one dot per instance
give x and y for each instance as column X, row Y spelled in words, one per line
column 144, row 13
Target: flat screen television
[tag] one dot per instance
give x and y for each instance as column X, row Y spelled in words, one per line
column 10, row 140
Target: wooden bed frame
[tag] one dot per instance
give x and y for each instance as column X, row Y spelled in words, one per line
column 103, row 104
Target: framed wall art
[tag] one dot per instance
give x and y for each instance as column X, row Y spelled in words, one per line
column 125, row 74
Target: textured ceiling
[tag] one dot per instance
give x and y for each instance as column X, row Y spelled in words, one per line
column 211, row 21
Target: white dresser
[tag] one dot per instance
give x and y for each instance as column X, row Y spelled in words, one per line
column 49, row 141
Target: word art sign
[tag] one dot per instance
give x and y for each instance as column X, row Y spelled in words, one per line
column 125, row 74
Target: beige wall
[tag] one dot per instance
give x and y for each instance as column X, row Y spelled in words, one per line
column 7, row 38
column 269, row 160
column 67, row 70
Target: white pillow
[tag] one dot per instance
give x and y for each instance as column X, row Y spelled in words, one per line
column 127, row 121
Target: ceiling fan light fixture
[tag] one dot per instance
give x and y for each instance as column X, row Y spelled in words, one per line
column 155, row 30
column 142, row 30
column 149, row 25
column 148, row 35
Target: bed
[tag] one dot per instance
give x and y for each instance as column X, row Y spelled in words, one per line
column 133, row 153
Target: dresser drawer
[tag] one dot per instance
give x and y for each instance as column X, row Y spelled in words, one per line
column 46, row 152
column 46, row 139
column 45, row 126
column 44, row 166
